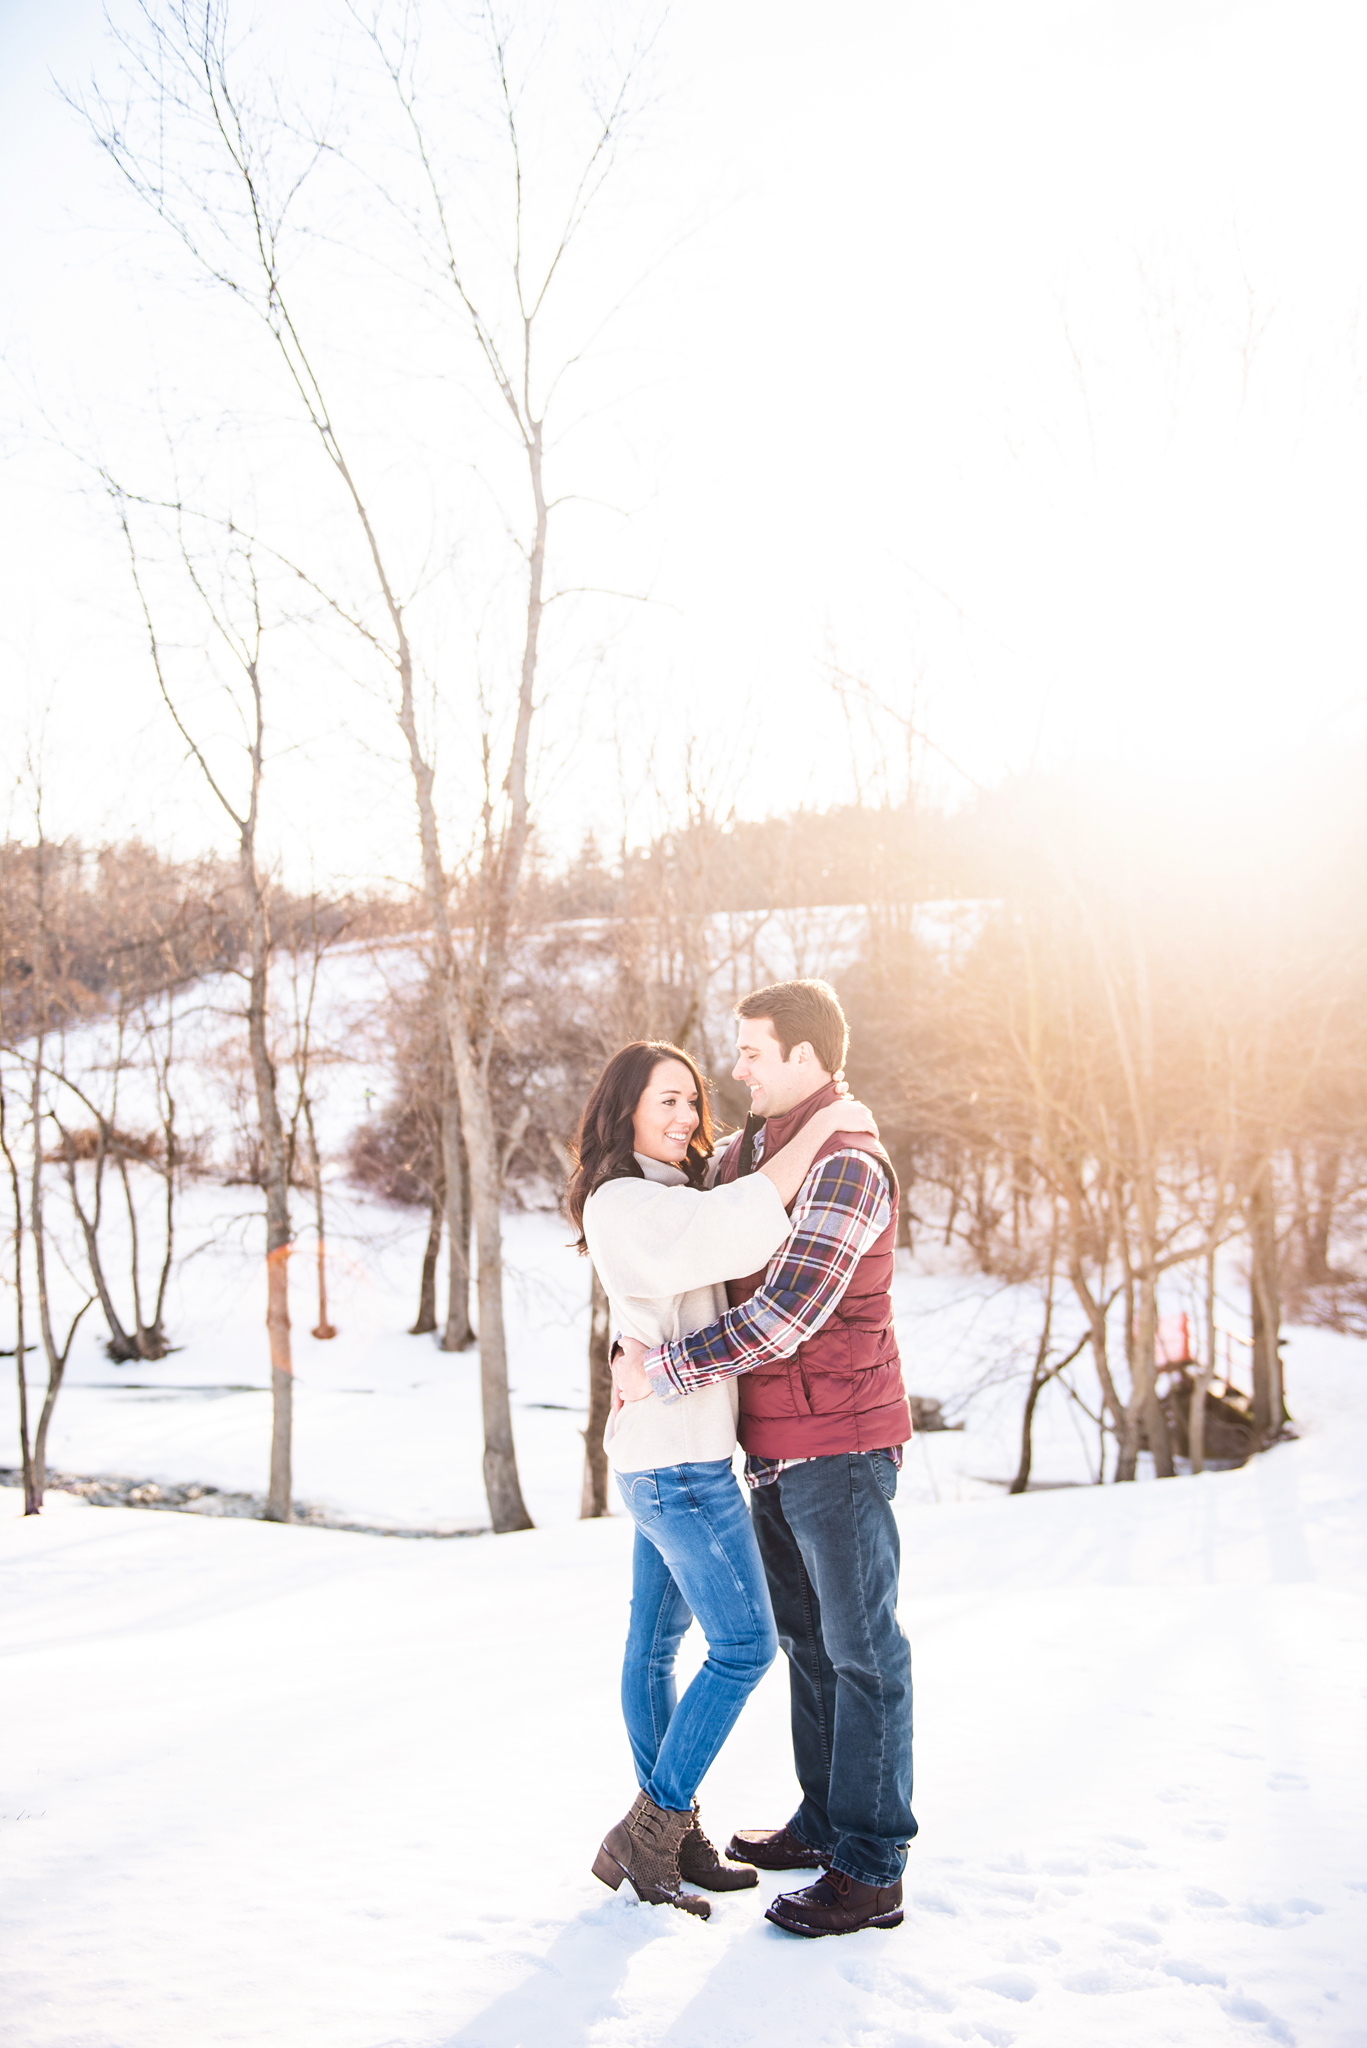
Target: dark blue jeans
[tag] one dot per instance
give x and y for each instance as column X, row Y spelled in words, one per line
column 831, row 1554
column 695, row 1553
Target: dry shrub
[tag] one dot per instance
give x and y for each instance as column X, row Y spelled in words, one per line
column 147, row 1146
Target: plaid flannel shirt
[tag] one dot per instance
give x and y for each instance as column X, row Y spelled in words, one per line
column 842, row 1206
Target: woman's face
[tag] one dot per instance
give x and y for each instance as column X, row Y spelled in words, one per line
column 667, row 1114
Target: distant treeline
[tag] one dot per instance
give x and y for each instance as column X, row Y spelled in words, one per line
column 84, row 923
column 913, row 852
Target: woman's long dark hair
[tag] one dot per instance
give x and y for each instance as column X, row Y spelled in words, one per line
column 603, row 1149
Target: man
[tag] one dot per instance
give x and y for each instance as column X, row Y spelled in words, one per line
column 823, row 1418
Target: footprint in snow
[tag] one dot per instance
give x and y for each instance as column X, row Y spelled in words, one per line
column 1009, row 1984
column 1192, row 1973
column 1250, row 2009
column 1115, row 1859
column 1097, row 1982
column 883, row 1980
column 1129, row 1930
column 1289, row 1913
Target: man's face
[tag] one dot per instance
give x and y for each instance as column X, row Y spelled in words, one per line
column 776, row 1085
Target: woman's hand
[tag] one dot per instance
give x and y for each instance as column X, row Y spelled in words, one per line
column 629, row 1375
column 848, row 1117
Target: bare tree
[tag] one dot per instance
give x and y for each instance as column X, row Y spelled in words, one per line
column 474, row 962
column 106, row 1143
column 244, row 646
column 55, row 1353
column 184, row 73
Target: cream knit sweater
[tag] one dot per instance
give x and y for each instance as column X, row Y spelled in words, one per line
column 664, row 1251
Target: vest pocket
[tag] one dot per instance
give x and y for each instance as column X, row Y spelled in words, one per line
column 823, row 1373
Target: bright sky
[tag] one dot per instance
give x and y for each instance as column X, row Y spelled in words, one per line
column 1012, row 360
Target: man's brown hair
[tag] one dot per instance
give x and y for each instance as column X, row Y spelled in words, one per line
column 803, row 1012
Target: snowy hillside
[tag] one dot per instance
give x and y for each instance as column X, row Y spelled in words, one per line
column 387, row 1428
column 292, row 1788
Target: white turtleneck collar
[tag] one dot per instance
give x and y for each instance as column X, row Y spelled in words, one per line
column 661, row 1170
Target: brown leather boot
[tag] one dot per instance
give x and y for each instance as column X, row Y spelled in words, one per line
column 644, row 1849
column 774, row 1849
column 837, row 1904
column 700, row 1863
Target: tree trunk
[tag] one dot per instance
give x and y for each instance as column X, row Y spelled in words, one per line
column 427, row 1292
column 458, row 1334
column 56, row 1360
column 37, row 1229
column 1196, row 1424
column 1269, row 1404
column 1127, row 1456
column 168, row 1129
column 324, row 1328
column 594, row 1497
column 507, row 1510
column 1022, row 1479
column 955, row 1195
column 149, row 1341
column 1328, row 1163
column 121, row 1347
column 32, row 1502
column 1092, row 1308
column 473, row 986
column 274, row 1172
column 902, row 1152
column 280, row 1499
column 1038, row 1371
column 1144, row 1407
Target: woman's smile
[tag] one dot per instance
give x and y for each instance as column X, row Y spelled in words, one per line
column 666, row 1115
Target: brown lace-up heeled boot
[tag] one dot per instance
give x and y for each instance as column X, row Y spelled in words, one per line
column 644, row 1849
column 700, row 1863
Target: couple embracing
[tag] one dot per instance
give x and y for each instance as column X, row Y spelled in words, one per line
column 750, row 1290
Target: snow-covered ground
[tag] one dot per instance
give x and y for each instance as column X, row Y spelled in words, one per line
column 288, row 1786
column 310, row 1789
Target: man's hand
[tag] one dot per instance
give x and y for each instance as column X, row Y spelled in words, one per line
column 628, row 1370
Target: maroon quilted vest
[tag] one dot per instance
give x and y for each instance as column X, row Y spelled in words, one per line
column 842, row 1390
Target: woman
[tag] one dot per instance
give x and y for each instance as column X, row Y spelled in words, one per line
column 663, row 1244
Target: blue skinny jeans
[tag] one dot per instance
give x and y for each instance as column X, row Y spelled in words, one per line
column 695, row 1554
